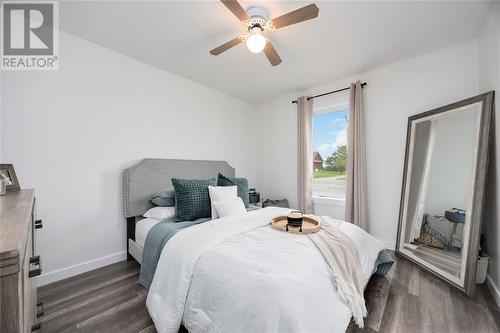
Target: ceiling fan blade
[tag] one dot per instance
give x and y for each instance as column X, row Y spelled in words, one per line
column 236, row 9
column 226, row 46
column 303, row 14
column 271, row 54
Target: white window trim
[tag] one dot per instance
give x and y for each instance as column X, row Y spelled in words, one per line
column 329, row 201
column 331, row 103
column 319, row 110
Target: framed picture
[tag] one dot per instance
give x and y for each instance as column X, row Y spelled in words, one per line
column 8, row 174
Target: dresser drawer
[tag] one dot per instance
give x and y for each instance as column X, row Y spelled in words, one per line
column 29, row 286
column 19, row 264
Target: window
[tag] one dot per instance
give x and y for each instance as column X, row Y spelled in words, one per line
column 330, row 152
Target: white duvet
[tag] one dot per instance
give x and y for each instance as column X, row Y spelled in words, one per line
column 237, row 274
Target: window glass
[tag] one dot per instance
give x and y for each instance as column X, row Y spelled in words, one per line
column 330, row 153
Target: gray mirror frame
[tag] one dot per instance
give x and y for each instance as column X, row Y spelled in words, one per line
column 469, row 287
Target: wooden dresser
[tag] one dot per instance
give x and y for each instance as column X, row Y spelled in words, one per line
column 19, row 264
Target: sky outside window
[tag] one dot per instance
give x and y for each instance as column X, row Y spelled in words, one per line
column 329, row 132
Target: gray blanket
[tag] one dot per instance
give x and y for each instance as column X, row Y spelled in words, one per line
column 156, row 239
column 383, row 264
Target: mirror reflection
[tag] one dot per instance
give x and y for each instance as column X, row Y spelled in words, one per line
column 439, row 189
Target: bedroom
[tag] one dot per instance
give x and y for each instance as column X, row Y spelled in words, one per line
column 135, row 80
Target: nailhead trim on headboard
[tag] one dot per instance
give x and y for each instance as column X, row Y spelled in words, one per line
column 126, row 184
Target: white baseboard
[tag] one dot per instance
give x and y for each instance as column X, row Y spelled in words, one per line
column 390, row 245
column 493, row 288
column 80, row 268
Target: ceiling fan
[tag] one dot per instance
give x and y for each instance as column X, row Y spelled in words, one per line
column 256, row 21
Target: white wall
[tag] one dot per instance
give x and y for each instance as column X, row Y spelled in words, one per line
column 393, row 93
column 452, row 162
column 489, row 79
column 71, row 132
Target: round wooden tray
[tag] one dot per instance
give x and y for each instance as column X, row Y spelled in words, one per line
column 309, row 225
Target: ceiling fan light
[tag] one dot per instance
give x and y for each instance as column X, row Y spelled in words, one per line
column 256, row 42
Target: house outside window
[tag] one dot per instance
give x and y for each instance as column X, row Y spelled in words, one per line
column 317, row 161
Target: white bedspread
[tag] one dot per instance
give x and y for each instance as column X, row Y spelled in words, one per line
column 237, row 274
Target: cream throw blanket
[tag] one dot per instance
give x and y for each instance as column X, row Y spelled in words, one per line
column 343, row 262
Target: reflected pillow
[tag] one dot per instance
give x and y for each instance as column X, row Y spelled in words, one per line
column 430, row 240
column 436, row 231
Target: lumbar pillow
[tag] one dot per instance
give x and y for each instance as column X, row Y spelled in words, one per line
column 220, row 193
column 230, row 207
column 192, row 200
column 241, row 183
column 160, row 213
column 164, row 198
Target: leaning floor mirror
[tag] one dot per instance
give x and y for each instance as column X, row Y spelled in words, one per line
column 444, row 189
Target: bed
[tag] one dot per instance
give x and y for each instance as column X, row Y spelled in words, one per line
column 142, row 228
column 150, row 176
column 236, row 274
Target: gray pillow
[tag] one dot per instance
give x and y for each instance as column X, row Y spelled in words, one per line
column 164, row 198
column 241, row 184
column 192, row 200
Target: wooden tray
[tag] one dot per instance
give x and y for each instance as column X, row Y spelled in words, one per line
column 309, row 225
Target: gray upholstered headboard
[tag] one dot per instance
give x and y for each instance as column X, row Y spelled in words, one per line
column 153, row 175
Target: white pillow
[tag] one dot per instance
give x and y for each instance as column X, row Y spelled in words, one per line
column 230, row 207
column 160, row 213
column 220, row 193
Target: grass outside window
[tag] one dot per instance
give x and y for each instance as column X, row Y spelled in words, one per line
column 328, row 173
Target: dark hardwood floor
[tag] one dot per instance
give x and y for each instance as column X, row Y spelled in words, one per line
column 411, row 300
column 407, row 300
column 108, row 299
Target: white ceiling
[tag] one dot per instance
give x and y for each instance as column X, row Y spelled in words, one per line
column 346, row 38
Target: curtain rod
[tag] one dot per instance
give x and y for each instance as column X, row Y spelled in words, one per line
column 332, row 92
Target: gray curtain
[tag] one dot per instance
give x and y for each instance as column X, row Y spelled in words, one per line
column 305, row 155
column 355, row 203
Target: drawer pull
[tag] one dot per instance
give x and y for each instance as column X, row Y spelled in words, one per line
column 39, row 309
column 38, row 224
column 37, row 327
column 36, row 261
